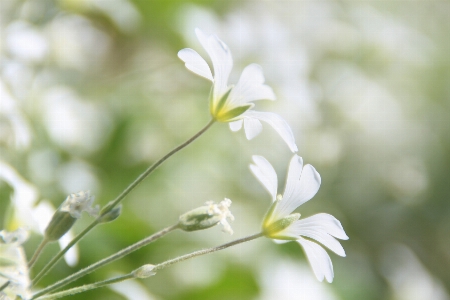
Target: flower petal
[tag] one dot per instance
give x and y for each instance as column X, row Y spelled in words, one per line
column 71, row 256
column 289, row 203
column 318, row 259
column 236, row 125
column 195, row 63
column 221, row 59
column 281, row 241
column 308, row 185
column 303, row 189
column 252, row 127
column 265, row 173
column 278, row 123
column 315, row 232
column 324, row 222
column 251, row 87
column 293, row 176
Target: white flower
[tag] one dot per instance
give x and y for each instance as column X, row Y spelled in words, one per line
column 282, row 225
column 233, row 103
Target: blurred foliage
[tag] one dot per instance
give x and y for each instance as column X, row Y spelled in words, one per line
column 365, row 86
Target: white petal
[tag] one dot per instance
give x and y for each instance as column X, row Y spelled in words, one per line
column 308, row 185
column 252, row 127
column 289, row 202
column 265, row 173
column 303, row 189
column 318, row 259
column 71, row 256
column 221, row 60
column 42, row 214
column 250, row 87
column 281, row 241
column 236, row 125
column 194, row 62
column 277, row 123
column 317, row 233
column 326, row 223
column 293, row 176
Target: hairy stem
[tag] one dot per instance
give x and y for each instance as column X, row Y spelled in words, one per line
column 37, row 252
column 119, row 198
column 106, row 261
column 205, row 251
column 39, row 296
column 86, row 287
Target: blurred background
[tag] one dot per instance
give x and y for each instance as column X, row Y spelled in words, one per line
column 92, row 93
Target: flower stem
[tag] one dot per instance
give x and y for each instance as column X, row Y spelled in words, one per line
column 38, row 296
column 5, row 285
column 119, row 198
column 106, row 261
column 205, row 251
column 87, row 287
column 61, row 253
column 37, row 252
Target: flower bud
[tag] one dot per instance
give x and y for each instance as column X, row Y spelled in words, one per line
column 111, row 215
column 207, row 216
column 60, row 223
column 68, row 213
column 144, row 271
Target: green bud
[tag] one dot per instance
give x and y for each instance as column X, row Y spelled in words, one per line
column 61, row 222
column 207, row 216
column 68, row 213
column 144, row 271
column 111, row 215
column 198, row 219
column 271, row 230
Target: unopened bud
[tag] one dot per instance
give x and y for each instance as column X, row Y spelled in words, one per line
column 61, row 222
column 111, row 215
column 144, row 271
column 68, row 213
column 207, row 216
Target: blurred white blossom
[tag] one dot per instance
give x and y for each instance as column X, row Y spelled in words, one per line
column 29, row 214
column 13, row 265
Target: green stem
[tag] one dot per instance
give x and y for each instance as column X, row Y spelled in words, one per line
column 37, row 252
column 5, row 285
column 87, row 287
column 119, row 198
column 205, row 251
column 132, row 275
column 61, row 253
column 106, row 261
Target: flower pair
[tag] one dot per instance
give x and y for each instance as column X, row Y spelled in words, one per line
column 233, row 104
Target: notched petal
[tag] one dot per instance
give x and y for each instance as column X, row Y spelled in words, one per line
column 195, row 63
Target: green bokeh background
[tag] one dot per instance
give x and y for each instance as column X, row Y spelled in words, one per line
column 365, row 86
